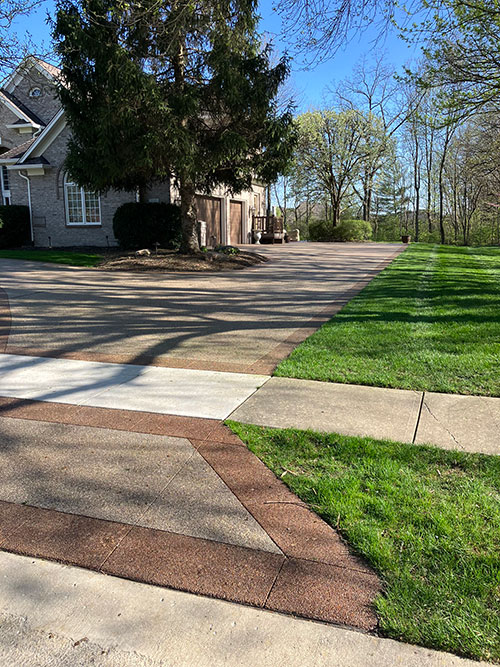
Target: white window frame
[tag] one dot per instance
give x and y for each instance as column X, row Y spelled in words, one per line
column 5, row 191
column 83, row 223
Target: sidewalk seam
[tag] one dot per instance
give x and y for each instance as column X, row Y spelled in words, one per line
column 264, row 606
column 246, row 399
column 418, row 418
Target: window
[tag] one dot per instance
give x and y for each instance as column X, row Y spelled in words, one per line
column 82, row 207
column 35, row 92
column 5, row 186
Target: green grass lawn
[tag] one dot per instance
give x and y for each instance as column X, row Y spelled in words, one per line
column 430, row 321
column 54, row 257
column 427, row 520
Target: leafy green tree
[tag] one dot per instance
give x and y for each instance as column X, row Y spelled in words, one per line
column 332, row 149
column 463, row 55
column 158, row 89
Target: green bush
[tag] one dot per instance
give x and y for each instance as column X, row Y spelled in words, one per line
column 321, row 230
column 347, row 230
column 352, row 230
column 227, row 249
column 14, row 226
column 141, row 225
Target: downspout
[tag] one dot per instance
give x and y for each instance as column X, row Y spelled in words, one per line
column 26, row 178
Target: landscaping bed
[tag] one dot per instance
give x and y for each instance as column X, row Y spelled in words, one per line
column 169, row 260
column 425, row 519
column 429, row 322
column 115, row 260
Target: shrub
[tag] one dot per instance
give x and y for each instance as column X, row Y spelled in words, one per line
column 320, row 230
column 14, row 226
column 352, row 230
column 141, row 225
column 227, row 249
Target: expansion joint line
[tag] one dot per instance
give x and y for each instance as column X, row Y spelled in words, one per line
column 418, row 417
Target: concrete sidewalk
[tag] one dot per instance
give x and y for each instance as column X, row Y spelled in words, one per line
column 52, row 614
column 466, row 423
column 117, row 469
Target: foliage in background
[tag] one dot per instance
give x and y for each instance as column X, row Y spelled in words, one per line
column 425, row 519
column 14, row 226
column 428, row 322
column 353, row 230
column 142, row 224
column 346, row 230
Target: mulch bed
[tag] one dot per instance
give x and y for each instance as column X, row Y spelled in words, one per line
column 169, row 260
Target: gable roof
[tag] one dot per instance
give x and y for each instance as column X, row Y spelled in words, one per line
column 19, row 109
column 17, row 151
column 31, row 150
column 51, row 72
column 46, row 136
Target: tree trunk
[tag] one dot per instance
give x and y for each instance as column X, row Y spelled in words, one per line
column 335, row 213
column 429, row 212
column 189, row 243
column 441, row 197
column 142, row 191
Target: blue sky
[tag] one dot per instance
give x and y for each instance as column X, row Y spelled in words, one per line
column 310, row 84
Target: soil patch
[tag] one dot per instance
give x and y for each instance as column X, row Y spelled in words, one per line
column 169, row 260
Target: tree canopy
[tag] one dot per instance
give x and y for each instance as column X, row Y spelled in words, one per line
column 158, row 89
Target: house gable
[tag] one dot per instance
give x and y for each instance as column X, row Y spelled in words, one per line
column 33, row 88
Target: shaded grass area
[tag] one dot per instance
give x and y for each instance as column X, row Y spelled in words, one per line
column 427, row 520
column 54, row 257
column 429, row 322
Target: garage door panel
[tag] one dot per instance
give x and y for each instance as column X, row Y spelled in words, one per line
column 235, row 222
column 209, row 210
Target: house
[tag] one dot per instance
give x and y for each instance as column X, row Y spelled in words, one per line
column 33, row 140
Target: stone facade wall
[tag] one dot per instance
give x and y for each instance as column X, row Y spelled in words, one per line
column 47, row 105
column 49, row 206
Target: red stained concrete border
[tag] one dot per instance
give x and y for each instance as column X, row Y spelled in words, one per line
column 259, row 578
column 316, row 577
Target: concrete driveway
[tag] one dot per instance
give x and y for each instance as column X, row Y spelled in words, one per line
column 244, row 321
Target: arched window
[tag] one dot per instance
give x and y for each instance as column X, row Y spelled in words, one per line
column 82, row 207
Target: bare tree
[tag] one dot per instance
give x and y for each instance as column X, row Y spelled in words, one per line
column 374, row 89
column 13, row 47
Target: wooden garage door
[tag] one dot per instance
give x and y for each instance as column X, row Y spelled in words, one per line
column 209, row 210
column 235, row 222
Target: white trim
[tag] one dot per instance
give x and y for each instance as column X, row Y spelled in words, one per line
column 45, row 138
column 26, row 178
column 34, row 168
column 18, row 74
column 84, row 214
column 19, row 126
column 16, row 111
column 5, row 191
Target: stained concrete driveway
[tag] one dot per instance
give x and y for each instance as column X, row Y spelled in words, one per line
column 239, row 321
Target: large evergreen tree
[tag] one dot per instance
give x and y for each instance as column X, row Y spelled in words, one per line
column 181, row 89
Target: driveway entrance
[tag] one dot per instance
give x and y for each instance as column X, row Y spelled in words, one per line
column 245, row 321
